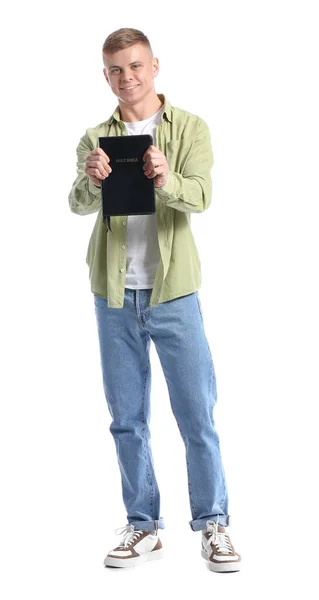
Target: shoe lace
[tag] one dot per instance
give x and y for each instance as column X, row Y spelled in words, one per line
column 218, row 538
column 129, row 535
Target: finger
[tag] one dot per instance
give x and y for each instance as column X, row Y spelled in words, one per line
column 150, row 166
column 150, row 150
column 93, row 164
column 97, row 159
column 95, row 172
column 95, row 175
column 101, row 152
column 155, row 171
column 98, row 172
column 153, row 153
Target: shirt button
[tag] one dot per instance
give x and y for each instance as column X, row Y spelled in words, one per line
column 122, row 270
column 124, row 222
column 123, row 246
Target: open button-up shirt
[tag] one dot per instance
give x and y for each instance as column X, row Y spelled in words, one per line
column 185, row 140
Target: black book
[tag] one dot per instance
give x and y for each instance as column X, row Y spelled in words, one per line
column 127, row 190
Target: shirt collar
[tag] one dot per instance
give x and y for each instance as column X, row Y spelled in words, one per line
column 167, row 111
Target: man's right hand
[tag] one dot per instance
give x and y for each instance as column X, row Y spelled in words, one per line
column 97, row 166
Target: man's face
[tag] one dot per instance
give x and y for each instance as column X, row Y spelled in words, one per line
column 133, row 68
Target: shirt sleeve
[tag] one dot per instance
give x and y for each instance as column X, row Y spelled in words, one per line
column 191, row 190
column 84, row 197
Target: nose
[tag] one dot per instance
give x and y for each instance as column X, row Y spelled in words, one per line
column 126, row 78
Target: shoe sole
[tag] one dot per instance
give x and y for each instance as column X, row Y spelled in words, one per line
column 228, row 567
column 110, row 561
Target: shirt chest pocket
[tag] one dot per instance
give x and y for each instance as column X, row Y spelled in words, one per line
column 177, row 152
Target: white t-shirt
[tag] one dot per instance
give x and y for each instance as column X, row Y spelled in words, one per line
column 142, row 249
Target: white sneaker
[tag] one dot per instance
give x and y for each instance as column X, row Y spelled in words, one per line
column 218, row 550
column 136, row 546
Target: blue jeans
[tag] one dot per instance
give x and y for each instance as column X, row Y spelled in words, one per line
column 177, row 330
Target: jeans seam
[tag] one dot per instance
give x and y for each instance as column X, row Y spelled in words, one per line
column 188, row 471
column 144, row 440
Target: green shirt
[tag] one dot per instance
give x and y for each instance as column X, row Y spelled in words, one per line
column 184, row 138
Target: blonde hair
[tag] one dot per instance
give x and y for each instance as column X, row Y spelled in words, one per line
column 124, row 38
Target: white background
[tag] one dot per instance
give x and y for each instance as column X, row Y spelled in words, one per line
column 250, row 69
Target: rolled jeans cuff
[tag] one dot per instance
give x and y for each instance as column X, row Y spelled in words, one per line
column 198, row 524
column 148, row 525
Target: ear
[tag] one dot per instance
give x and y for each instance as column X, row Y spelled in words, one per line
column 155, row 66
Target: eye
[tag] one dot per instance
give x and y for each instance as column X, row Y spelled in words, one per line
column 136, row 65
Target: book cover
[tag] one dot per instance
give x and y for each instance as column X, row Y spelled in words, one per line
column 127, row 190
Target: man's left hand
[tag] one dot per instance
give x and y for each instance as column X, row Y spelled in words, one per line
column 155, row 165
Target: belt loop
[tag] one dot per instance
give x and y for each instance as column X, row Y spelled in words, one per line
column 228, row 520
column 156, row 526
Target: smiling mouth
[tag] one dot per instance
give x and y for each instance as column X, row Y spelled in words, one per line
column 130, row 87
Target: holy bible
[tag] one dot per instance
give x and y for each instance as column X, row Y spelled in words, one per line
column 127, row 190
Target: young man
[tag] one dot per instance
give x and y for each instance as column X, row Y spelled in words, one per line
column 145, row 274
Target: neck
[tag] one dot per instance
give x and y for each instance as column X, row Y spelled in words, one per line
column 144, row 109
